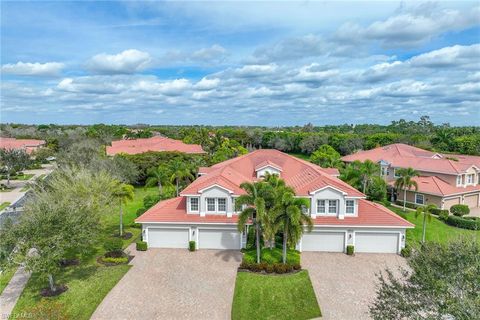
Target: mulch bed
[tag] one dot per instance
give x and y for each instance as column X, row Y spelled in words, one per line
column 46, row 292
column 125, row 236
column 268, row 273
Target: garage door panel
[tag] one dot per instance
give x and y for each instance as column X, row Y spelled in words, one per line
column 168, row 238
column 376, row 242
column 324, row 241
column 218, row 239
column 471, row 201
column 450, row 202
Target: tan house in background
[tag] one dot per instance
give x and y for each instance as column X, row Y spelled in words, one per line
column 444, row 179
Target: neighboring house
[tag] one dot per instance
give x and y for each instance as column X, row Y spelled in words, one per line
column 157, row 143
column 444, row 180
column 205, row 210
column 28, row 145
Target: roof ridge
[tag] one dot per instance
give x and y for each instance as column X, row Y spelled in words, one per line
column 436, row 183
column 386, row 210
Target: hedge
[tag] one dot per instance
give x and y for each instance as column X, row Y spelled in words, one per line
column 471, row 223
column 350, row 250
column 408, row 204
column 439, row 212
column 270, row 268
column 141, row 246
column 460, row 210
column 191, row 245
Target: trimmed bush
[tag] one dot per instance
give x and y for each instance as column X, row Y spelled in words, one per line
column 269, row 268
column 191, row 245
column 406, row 252
column 350, row 249
column 444, row 215
column 120, row 260
column 471, row 223
column 141, row 246
column 439, row 212
column 459, row 210
column 113, row 245
column 408, row 204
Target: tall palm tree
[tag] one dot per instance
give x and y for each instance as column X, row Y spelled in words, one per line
column 180, row 172
column 269, row 226
column 289, row 213
column 254, row 211
column 159, row 176
column 123, row 193
column 427, row 214
column 405, row 181
column 368, row 170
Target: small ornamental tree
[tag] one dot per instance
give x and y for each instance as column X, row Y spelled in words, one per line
column 12, row 161
column 442, row 282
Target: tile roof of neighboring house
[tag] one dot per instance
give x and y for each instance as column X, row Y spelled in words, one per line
column 303, row 176
column 29, row 145
column 403, row 156
column 174, row 211
column 157, row 143
column 436, row 186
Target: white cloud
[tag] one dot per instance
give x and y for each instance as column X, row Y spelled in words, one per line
column 207, row 84
column 33, row 69
column 125, row 62
column 256, row 70
column 448, row 57
column 214, row 53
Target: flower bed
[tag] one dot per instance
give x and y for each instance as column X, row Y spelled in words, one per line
column 263, row 267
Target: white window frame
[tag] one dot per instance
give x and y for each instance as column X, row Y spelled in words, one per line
column 472, row 176
column 319, row 206
column 459, row 180
column 347, row 207
column 395, row 173
column 423, row 198
column 329, row 206
column 198, row 204
column 218, row 204
column 214, row 204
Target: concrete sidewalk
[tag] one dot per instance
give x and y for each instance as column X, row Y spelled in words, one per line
column 12, row 292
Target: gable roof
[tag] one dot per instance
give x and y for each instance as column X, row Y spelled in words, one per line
column 403, row 156
column 157, row 143
column 436, row 186
column 21, row 144
column 303, row 176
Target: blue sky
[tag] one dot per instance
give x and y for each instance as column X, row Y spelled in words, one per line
column 240, row 63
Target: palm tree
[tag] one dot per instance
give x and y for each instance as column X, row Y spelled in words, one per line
column 368, row 170
column 269, row 226
column 289, row 213
column 427, row 214
column 180, row 171
column 351, row 174
column 123, row 192
column 255, row 210
column 405, row 181
column 159, row 176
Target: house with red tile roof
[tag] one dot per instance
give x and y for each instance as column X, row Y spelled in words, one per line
column 205, row 210
column 445, row 179
column 28, row 145
column 156, row 143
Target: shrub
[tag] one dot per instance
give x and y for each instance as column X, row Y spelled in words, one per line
column 150, row 200
column 406, row 252
column 120, row 260
column 408, row 204
column 269, row 268
column 350, row 249
column 140, row 212
column 459, row 210
column 141, row 246
column 296, row 266
column 438, row 212
column 113, row 245
column 191, row 245
column 444, row 215
column 471, row 223
column 280, row 268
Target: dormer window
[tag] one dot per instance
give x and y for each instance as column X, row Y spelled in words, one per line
column 194, row 204
column 470, row 178
column 332, row 206
column 321, row 206
column 459, row 180
column 349, row 207
column 267, row 166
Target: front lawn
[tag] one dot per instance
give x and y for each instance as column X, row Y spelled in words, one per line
column 89, row 282
column 5, row 277
column 271, row 256
column 4, row 205
column 436, row 231
column 260, row 296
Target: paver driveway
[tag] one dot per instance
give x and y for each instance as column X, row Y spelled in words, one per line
column 344, row 285
column 174, row 284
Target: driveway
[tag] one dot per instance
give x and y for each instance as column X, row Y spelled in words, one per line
column 345, row 285
column 174, row 284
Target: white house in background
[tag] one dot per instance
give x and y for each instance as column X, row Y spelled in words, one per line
column 205, row 210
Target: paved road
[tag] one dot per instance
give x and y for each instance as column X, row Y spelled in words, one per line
column 345, row 285
column 174, row 284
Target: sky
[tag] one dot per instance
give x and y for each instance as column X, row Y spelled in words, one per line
column 239, row 62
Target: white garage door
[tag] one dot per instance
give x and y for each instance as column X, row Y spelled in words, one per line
column 323, row 241
column 376, row 242
column 471, row 201
column 167, row 238
column 218, row 239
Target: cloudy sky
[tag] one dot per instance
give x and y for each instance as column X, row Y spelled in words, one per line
column 245, row 63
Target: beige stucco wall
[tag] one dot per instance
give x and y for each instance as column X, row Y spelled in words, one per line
column 429, row 199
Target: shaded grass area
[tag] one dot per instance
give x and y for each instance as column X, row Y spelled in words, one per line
column 274, row 297
column 5, row 278
column 89, row 282
column 436, row 230
column 302, row 156
column 271, row 256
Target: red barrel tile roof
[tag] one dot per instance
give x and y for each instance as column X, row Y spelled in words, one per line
column 157, row 143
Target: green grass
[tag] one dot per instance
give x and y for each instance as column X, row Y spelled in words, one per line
column 302, row 156
column 5, row 278
column 436, row 230
column 27, row 176
column 260, row 296
column 89, row 282
column 271, row 256
column 4, row 205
